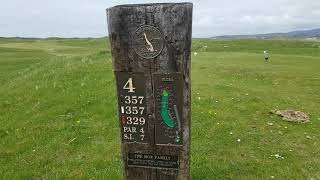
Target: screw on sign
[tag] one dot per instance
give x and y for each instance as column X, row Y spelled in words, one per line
column 150, row 45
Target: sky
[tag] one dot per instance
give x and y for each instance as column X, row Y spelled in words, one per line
column 87, row 18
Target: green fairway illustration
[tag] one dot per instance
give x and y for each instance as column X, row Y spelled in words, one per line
column 165, row 114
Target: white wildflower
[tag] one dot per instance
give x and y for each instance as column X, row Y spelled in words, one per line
column 270, row 124
column 278, row 156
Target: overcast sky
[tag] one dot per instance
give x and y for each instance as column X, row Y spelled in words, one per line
column 86, row 18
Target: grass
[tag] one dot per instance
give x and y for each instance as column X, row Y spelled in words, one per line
column 58, row 110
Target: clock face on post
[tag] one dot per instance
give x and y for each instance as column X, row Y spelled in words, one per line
column 147, row 42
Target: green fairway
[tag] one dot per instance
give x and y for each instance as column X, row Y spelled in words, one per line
column 58, row 110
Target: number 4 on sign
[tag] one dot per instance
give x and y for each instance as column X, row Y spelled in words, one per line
column 129, row 86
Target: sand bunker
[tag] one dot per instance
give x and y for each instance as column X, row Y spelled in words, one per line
column 292, row 116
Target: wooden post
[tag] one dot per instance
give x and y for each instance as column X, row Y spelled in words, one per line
column 151, row 47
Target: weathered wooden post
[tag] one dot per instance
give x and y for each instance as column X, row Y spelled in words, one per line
column 150, row 45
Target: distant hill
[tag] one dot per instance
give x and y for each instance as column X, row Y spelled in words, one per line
column 303, row 34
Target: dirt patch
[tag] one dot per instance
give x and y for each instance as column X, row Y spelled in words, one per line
column 292, row 116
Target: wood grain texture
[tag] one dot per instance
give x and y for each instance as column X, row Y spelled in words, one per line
column 174, row 20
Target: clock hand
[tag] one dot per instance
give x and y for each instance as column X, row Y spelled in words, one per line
column 150, row 48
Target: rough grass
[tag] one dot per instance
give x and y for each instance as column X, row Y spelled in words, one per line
column 58, row 110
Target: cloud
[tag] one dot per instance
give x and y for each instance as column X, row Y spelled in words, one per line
column 255, row 16
column 82, row 18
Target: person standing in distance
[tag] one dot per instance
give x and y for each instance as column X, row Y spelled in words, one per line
column 266, row 56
